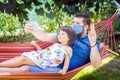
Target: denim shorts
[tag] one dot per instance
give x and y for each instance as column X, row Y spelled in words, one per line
column 48, row 69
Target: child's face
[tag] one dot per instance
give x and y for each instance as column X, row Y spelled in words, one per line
column 63, row 37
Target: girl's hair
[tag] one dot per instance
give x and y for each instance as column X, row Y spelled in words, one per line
column 71, row 34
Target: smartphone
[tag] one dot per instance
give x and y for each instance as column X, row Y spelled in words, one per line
column 35, row 25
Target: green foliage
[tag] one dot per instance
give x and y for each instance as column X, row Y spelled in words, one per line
column 98, row 10
column 52, row 14
column 10, row 27
column 4, row 1
column 52, row 18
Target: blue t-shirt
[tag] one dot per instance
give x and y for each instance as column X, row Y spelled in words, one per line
column 81, row 56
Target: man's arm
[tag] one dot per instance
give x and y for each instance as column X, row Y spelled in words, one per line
column 94, row 54
column 41, row 35
column 95, row 57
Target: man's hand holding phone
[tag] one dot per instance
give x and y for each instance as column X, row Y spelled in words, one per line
column 31, row 26
column 34, row 25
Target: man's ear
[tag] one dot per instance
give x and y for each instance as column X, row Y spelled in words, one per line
column 86, row 27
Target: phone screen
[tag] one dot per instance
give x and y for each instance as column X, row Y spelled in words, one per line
column 35, row 25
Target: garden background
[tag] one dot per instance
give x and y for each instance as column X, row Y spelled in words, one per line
column 51, row 15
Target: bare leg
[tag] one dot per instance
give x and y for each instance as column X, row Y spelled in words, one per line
column 17, row 69
column 18, row 61
column 12, row 59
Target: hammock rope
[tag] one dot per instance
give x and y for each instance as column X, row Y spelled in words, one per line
column 105, row 31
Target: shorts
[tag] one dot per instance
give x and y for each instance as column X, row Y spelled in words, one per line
column 48, row 69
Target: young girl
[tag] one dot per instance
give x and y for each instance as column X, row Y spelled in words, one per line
column 49, row 57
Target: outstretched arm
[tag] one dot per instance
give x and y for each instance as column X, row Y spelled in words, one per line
column 94, row 54
column 40, row 34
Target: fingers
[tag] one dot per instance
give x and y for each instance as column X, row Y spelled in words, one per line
column 28, row 25
column 92, row 28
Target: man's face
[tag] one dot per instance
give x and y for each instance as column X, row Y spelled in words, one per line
column 78, row 21
column 78, row 26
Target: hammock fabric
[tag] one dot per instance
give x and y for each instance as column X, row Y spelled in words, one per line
column 10, row 50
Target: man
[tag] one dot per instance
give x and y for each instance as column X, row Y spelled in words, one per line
column 84, row 49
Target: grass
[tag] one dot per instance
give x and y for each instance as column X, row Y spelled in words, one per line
column 110, row 70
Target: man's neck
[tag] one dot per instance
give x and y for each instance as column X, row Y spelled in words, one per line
column 83, row 35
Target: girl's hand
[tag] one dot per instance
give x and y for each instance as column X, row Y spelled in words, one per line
column 33, row 43
column 62, row 72
column 36, row 45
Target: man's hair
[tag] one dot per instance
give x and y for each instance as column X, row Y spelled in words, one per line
column 85, row 16
column 71, row 34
